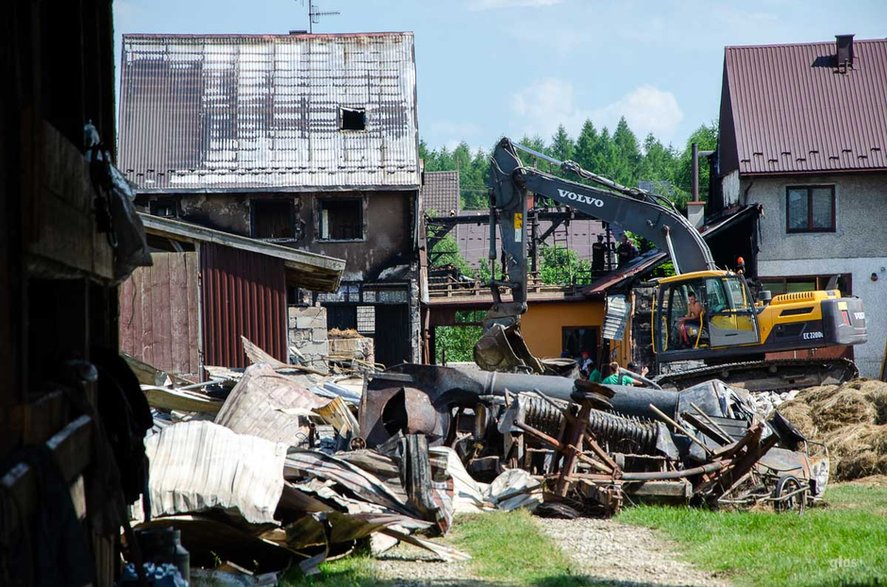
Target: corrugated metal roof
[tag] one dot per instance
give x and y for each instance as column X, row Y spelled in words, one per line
column 263, row 111
column 440, row 192
column 795, row 111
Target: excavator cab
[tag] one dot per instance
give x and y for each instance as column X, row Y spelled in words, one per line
column 702, row 311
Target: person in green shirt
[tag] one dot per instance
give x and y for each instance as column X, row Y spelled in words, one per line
column 617, row 378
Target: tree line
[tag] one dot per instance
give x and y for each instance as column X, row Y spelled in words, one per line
column 618, row 156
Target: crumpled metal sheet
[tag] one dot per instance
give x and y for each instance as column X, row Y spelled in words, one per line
column 259, row 402
column 195, row 466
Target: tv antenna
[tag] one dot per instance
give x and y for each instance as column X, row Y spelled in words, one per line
column 314, row 15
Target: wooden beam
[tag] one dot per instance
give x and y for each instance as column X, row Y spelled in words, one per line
column 72, row 447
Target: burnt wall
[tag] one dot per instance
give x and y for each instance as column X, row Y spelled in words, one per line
column 387, row 219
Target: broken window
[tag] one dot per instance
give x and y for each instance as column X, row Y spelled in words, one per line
column 366, row 319
column 810, row 209
column 272, row 219
column 164, row 207
column 341, row 219
column 352, row 119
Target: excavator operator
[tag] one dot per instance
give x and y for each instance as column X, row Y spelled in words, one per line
column 694, row 311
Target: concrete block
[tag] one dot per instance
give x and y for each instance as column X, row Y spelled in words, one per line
column 311, row 322
column 319, row 334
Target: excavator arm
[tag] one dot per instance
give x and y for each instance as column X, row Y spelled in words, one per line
column 641, row 212
column 502, row 347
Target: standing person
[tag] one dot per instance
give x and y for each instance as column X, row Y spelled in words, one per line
column 598, row 251
column 617, row 378
column 626, row 251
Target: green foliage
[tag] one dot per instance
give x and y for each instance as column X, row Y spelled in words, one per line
column 446, row 252
column 562, row 146
column 474, row 170
column 618, row 156
column 455, row 343
column 843, row 544
column 560, row 266
column 706, row 136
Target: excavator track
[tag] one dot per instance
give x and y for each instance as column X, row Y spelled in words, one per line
column 775, row 375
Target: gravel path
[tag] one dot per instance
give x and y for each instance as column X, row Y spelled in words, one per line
column 609, row 551
column 410, row 566
column 604, row 551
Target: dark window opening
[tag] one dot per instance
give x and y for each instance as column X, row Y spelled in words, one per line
column 164, row 207
column 272, row 219
column 576, row 339
column 352, row 119
column 810, row 209
column 341, row 219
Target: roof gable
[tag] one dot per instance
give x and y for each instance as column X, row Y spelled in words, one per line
column 204, row 112
column 793, row 111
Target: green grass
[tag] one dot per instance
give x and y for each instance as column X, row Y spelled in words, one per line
column 507, row 548
column 510, row 547
column 844, row 543
column 355, row 570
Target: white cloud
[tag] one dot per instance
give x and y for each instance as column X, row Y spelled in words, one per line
column 646, row 109
column 542, row 106
column 477, row 5
column 539, row 108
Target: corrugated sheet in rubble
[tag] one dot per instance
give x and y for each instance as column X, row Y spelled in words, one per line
column 199, row 465
column 618, row 310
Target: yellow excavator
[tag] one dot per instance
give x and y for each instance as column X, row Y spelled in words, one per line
column 729, row 324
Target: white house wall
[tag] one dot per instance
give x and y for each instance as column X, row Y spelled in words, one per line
column 858, row 246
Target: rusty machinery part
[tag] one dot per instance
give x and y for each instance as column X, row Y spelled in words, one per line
column 623, row 434
column 619, row 433
column 776, row 375
column 542, row 415
column 790, row 494
column 401, row 408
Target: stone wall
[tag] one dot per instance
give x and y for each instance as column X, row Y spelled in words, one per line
column 308, row 335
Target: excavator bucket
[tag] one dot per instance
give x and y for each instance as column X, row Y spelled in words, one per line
column 503, row 348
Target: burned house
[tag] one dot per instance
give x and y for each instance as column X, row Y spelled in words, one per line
column 818, row 168
column 305, row 141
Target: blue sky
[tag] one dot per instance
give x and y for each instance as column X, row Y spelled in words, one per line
column 488, row 68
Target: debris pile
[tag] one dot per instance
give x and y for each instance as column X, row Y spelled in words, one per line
column 250, row 490
column 594, row 447
column 279, row 464
column 851, row 419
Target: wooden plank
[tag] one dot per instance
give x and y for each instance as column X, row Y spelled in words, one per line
column 170, row 399
column 192, row 267
column 138, row 303
column 178, row 308
column 124, row 325
column 161, row 314
column 147, row 310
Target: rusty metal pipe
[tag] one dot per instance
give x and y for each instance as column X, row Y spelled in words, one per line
column 665, row 475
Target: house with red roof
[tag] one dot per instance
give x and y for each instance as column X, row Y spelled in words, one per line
column 803, row 132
